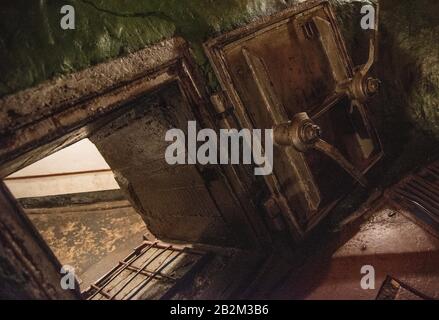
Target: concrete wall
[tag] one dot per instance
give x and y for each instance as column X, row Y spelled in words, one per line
column 176, row 202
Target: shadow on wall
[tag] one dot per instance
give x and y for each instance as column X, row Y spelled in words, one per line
column 407, row 108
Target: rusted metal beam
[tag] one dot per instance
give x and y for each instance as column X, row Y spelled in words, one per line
column 148, row 273
column 119, row 271
column 145, row 264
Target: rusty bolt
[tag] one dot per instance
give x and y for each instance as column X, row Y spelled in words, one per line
column 310, row 133
column 372, row 86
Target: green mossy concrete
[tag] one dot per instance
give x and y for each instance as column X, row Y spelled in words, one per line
column 408, row 110
column 33, row 47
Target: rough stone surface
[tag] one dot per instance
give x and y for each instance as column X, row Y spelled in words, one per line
column 106, row 29
column 408, row 110
column 58, row 93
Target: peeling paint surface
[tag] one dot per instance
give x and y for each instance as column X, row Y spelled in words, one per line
column 84, row 235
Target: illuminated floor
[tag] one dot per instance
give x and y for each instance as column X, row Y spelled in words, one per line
column 387, row 240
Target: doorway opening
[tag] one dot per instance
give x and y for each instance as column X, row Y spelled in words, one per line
column 124, row 115
column 75, row 203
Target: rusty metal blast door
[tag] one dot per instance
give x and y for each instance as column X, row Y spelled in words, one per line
column 291, row 72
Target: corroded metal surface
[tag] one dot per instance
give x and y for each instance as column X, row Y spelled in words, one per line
column 392, row 289
column 303, row 134
column 152, row 271
column 292, row 62
column 418, row 196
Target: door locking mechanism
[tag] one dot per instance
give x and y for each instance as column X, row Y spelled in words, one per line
column 303, row 134
column 292, row 73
